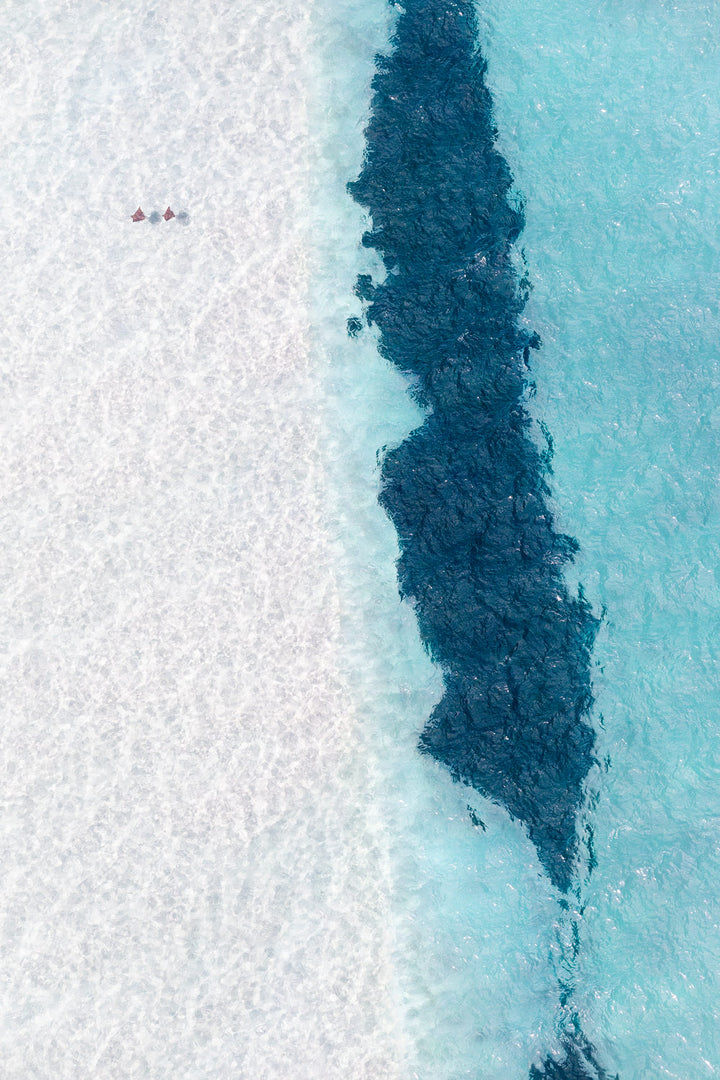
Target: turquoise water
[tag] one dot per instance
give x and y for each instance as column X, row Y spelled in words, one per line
column 609, row 120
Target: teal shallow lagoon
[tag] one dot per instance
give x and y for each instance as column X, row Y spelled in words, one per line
column 611, row 123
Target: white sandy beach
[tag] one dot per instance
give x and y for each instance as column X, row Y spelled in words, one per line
column 192, row 883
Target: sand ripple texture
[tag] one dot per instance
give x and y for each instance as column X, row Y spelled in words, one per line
column 192, row 879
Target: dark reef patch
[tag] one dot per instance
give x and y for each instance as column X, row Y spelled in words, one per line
column 578, row 1063
column 480, row 558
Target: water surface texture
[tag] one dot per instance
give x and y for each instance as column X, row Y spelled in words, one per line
column 610, row 121
column 625, row 193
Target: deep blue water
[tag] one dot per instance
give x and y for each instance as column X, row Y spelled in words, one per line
column 481, row 559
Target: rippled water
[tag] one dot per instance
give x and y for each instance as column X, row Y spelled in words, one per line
column 610, row 120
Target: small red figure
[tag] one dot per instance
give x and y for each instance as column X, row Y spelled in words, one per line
column 138, row 215
column 168, row 214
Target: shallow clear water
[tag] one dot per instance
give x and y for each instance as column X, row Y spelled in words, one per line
column 222, row 854
column 193, row 879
